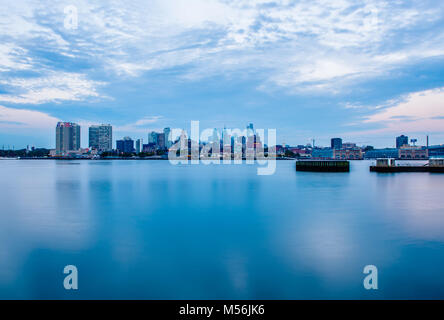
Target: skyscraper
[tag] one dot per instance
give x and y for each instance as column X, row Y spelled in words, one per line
column 168, row 142
column 161, row 141
column 152, row 137
column 139, row 144
column 101, row 137
column 250, row 130
column 215, row 138
column 336, row 143
column 67, row 137
column 125, row 146
column 401, row 140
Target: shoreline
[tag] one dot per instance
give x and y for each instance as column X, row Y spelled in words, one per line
column 108, row 159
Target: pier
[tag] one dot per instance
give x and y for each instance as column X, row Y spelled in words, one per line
column 390, row 166
column 323, row 165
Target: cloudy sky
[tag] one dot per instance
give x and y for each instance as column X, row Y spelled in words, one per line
column 363, row 70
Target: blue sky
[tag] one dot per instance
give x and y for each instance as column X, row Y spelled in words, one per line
column 366, row 71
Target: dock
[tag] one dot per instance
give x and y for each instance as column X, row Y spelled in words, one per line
column 323, row 165
column 389, row 166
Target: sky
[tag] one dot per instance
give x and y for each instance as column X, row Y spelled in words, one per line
column 365, row 70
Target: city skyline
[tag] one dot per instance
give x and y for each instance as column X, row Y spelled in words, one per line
column 100, row 138
column 375, row 69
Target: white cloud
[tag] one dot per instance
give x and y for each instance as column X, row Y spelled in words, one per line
column 14, row 58
column 417, row 112
column 141, row 126
column 316, row 44
column 55, row 87
column 25, row 119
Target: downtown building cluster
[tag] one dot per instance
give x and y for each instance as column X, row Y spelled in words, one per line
column 68, row 144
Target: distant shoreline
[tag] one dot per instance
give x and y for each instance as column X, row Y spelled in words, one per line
column 163, row 159
column 108, row 159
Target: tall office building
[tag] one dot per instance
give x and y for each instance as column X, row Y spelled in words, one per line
column 336, row 143
column 139, row 144
column 152, row 137
column 401, row 141
column 125, row 146
column 67, row 137
column 250, row 130
column 101, row 137
column 168, row 142
column 215, row 138
column 161, row 141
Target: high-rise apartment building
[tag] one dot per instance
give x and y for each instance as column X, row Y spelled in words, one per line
column 67, row 137
column 125, row 146
column 101, row 137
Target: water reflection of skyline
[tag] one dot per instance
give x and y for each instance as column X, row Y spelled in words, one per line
column 218, row 231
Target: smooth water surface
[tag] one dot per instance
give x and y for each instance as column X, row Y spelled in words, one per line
column 151, row 230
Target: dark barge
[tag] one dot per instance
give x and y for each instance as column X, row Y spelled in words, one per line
column 323, row 165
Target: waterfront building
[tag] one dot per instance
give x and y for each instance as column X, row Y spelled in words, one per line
column 125, row 146
column 401, row 141
column 413, row 152
column 299, row 151
column 382, row 153
column 324, row 153
column 348, row 154
column 348, row 145
column 436, row 151
column 149, row 148
column 101, row 137
column 280, row 150
column 336, row 143
column 67, row 137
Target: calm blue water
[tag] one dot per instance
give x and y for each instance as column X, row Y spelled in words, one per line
column 150, row 230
